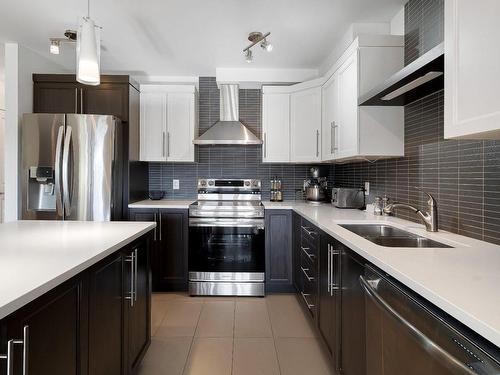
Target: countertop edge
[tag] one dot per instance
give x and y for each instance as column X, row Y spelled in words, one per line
column 40, row 290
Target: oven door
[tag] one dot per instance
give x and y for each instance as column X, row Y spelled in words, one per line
column 226, row 246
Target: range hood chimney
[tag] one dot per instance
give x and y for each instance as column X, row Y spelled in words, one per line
column 229, row 130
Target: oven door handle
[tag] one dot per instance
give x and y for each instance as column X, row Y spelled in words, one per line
column 217, row 222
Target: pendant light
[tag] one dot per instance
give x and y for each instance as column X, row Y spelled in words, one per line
column 88, row 52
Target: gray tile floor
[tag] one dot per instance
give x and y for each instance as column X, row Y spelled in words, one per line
column 232, row 336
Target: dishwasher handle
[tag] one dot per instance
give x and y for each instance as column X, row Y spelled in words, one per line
column 429, row 346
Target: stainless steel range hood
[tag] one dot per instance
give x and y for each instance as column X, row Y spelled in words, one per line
column 229, row 130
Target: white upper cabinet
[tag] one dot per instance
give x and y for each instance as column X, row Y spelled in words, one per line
column 168, row 123
column 181, row 126
column 275, row 127
column 153, row 127
column 472, row 58
column 305, row 125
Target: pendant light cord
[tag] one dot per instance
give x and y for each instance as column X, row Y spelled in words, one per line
column 88, row 8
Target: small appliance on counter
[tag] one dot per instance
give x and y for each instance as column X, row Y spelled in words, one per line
column 315, row 187
column 276, row 193
column 349, row 198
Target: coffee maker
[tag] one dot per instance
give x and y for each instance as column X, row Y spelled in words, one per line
column 316, row 186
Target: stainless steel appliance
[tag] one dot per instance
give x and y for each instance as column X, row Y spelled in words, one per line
column 226, row 239
column 406, row 335
column 71, row 167
column 316, row 186
column 348, row 198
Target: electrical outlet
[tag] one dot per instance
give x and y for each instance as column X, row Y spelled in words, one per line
column 175, row 184
column 367, row 188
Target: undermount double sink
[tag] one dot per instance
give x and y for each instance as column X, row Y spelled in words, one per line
column 389, row 236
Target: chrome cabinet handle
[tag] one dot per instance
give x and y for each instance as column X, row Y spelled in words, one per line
column 304, row 296
column 304, row 270
column 135, row 275
column 156, row 221
column 265, row 145
column 58, row 172
column 426, row 343
column 81, row 100
column 310, row 256
column 168, row 144
column 333, row 267
column 309, row 232
column 76, row 100
column 329, row 271
column 163, row 144
column 65, row 172
column 159, row 224
column 333, row 137
column 10, row 352
column 317, row 143
column 131, row 259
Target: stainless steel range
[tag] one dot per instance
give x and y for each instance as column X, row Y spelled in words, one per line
column 226, row 239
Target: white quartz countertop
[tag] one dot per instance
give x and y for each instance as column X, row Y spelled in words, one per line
column 162, row 203
column 464, row 281
column 37, row 256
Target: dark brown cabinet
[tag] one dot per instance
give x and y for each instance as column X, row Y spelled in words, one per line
column 138, row 305
column 87, row 325
column 297, row 251
column 106, row 317
column 330, row 296
column 308, row 267
column 279, row 250
column 353, row 314
column 169, row 263
column 49, row 328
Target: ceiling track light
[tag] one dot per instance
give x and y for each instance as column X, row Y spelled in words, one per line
column 257, row 37
column 55, row 43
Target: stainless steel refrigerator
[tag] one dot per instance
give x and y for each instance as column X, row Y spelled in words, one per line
column 71, row 167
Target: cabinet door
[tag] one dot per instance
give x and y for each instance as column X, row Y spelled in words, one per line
column 329, row 124
column 472, row 83
column 347, row 131
column 326, row 318
column 105, row 99
column 279, row 251
column 171, row 257
column 138, row 312
column 53, row 330
column 305, row 127
column 180, row 126
column 353, row 316
column 276, row 128
column 153, row 126
column 56, row 97
column 146, row 215
column 106, row 317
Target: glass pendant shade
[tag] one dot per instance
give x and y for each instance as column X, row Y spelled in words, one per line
column 88, row 53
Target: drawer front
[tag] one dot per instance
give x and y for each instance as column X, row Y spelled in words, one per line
column 310, row 232
column 308, row 270
column 310, row 252
column 309, row 296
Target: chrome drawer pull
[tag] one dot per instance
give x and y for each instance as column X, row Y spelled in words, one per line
column 305, row 273
column 10, row 352
column 309, row 232
column 310, row 256
column 309, row 306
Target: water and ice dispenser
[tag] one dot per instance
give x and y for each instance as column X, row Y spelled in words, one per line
column 41, row 189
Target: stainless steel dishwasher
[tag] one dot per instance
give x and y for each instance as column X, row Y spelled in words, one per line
column 407, row 335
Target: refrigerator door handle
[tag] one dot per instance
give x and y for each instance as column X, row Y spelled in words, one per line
column 66, row 173
column 57, row 172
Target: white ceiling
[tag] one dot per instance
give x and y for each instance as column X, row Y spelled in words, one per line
column 193, row 37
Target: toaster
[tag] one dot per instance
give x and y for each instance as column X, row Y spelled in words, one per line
column 349, row 198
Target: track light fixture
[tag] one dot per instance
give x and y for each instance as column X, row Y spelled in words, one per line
column 257, row 37
column 55, row 43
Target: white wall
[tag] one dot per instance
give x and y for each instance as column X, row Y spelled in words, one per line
column 20, row 64
column 398, row 23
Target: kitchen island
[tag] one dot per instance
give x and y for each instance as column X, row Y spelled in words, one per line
column 75, row 292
